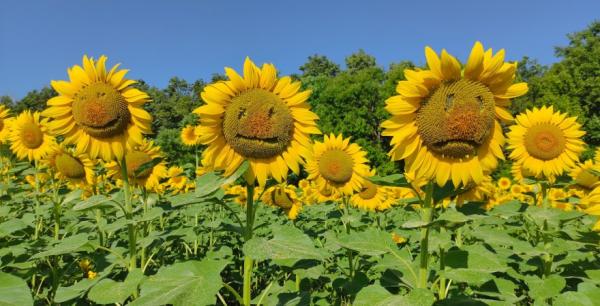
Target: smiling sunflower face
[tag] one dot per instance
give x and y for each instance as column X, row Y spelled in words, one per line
column 256, row 117
column 258, row 124
column 444, row 119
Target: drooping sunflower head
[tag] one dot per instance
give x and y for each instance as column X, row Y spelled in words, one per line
column 545, row 142
column 371, row 197
column 583, row 174
column 29, row 136
column 336, row 163
column 77, row 169
column 259, row 118
column 137, row 159
column 5, row 123
column 444, row 118
column 98, row 110
column 284, row 197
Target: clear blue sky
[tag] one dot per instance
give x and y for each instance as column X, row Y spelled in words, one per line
column 157, row 40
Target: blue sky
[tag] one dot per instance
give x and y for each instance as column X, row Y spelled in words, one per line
column 157, row 40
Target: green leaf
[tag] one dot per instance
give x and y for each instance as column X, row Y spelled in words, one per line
column 68, row 245
column 470, row 276
column 107, row 291
column 396, row 180
column 542, row 289
column 186, row 199
column 14, row 291
column 572, row 298
column 185, row 283
column 95, row 201
column 451, row 215
column 10, row 226
column 64, row 294
column 379, row 296
column 287, row 243
column 210, row 182
column 370, row 242
column 147, row 166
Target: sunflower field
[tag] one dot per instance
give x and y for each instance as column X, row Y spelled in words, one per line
column 473, row 203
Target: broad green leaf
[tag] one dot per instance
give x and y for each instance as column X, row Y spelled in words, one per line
column 68, row 245
column 470, row 276
column 573, row 298
column 147, row 166
column 10, row 226
column 95, row 201
column 14, row 291
column 64, row 294
column 287, row 243
column 210, row 182
column 451, row 215
column 185, row 283
column 370, row 242
column 396, row 180
column 107, row 291
column 542, row 289
column 378, row 296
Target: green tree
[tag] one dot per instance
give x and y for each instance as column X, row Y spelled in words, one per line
column 359, row 61
column 319, row 65
column 35, row 100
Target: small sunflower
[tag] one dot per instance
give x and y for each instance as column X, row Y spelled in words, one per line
column 29, row 136
column 284, row 197
column 5, row 123
column 443, row 121
column 99, row 111
column 134, row 159
column 77, row 169
column 336, row 163
column 189, row 136
column 545, row 142
column 177, row 180
column 259, row 118
column 504, row 183
column 371, row 197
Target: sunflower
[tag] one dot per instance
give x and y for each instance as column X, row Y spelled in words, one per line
column 545, row 142
column 177, row 180
column 134, row 159
column 29, row 136
column 99, row 111
column 5, row 123
column 336, row 163
column 259, row 118
column 504, row 183
column 284, row 197
column 590, row 204
column 189, row 136
column 77, row 169
column 371, row 197
column 444, row 120
column 583, row 176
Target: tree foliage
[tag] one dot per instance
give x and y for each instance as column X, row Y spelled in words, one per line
column 351, row 100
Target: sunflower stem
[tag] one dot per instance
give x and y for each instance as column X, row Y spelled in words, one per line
column 426, row 217
column 248, row 262
column 348, row 229
column 129, row 216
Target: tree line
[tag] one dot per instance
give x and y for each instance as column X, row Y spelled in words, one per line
column 351, row 99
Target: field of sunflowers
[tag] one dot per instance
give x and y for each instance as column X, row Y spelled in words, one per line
column 275, row 213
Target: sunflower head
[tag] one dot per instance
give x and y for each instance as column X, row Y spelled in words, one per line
column 259, row 118
column 29, row 136
column 98, row 110
column 457, row 118
column 444, row 118
column 545, row 143
column 138, row 173
column 336, row 163
column 189, row 136
column 258, row 124
column 77, row 169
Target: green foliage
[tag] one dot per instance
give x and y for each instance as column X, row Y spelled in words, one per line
column 572, row 85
